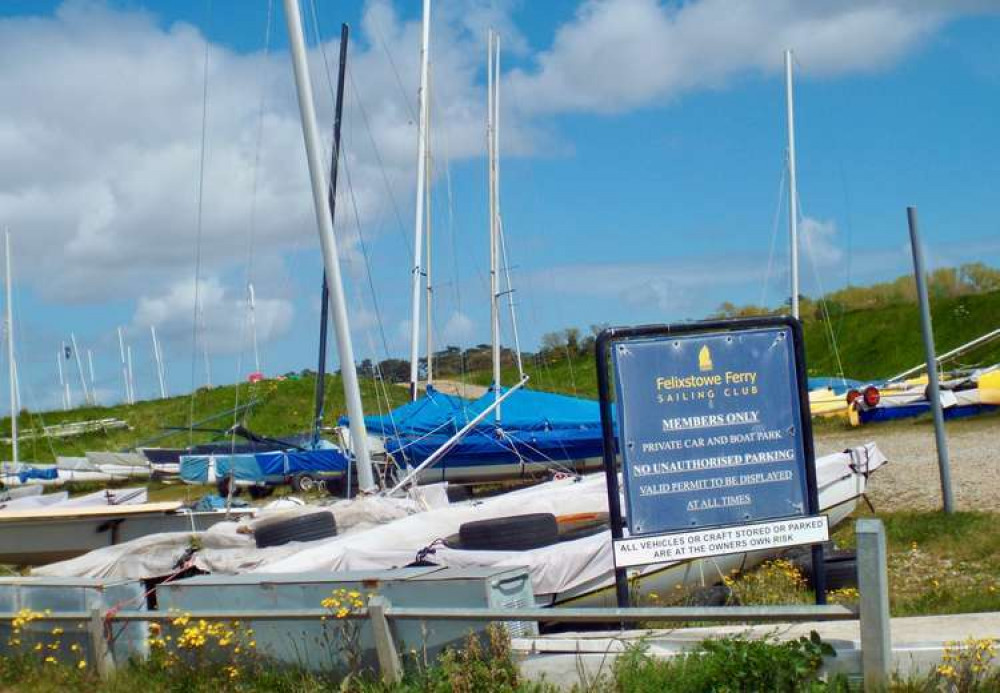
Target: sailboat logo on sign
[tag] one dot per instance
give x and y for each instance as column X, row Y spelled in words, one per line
column 705, row 360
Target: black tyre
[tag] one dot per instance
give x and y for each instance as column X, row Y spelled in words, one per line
column 457, row 494
column 841, row 569
column 309, row 527
column 222, row 486
column 517, row 533
column 259, row 492
column 304, row 483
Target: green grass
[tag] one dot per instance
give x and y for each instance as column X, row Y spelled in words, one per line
column 872, row 343
column 938, row 563
column 286, row 407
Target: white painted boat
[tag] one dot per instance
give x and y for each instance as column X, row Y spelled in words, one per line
column 578, row 572
column 35, row 537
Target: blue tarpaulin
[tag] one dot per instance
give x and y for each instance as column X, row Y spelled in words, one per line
column 527, row 410
column 264, row 466
column 423, row 415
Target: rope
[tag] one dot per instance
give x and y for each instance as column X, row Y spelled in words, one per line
column 201, row 200
column 774, row 234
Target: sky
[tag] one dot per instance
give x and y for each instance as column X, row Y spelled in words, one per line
column 151, row 161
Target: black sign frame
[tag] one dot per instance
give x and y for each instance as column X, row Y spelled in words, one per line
column 614, row 335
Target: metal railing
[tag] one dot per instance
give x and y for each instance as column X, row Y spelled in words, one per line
column 872, row 611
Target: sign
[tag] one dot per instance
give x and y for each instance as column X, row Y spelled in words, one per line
column 709, row 429
column 684, row 546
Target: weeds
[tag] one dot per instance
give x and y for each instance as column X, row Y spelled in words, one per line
column 730, row 664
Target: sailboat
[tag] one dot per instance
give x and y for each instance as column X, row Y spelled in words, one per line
column 508, row 432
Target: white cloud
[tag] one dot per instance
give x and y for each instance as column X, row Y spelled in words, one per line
column 459, row 329
column 101, row 134
column 224, row 316
column 819, row 242
column 617, row 55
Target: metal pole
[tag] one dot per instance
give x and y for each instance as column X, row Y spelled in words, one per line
column 934, row 390
column 158, row 357
column 429, row 295
column 605, row 342
column 873, row 586
column 957, row 351
column 332, row 204
column 121, row 351
column 310, row 134
column 79, row 369
column 12, row 369
column 448, row 444
column 63, row 385
column 793, row 199
column 131, row 379
column 251, row 299
column 492, row 61
column 419, row 219
column 90, row 369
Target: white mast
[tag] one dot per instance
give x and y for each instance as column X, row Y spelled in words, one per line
column 90, row 367
column 79, row 369
column 121, row 351
column 253, row 326
column 63, row 382
column 331, row 262
column 430, row 285
column 12, row 369
column 131, row 380
column 793, row 200
column 418, row 231
column 158, row 357
column 493, row 99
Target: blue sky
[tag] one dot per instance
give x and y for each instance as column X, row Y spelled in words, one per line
column 643, row 156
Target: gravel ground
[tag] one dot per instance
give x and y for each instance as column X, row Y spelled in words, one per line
column 910, row 481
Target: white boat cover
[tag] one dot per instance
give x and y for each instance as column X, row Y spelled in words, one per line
column 554, row 569
column 128, row 459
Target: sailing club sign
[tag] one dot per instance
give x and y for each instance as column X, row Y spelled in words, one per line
column 713, row 433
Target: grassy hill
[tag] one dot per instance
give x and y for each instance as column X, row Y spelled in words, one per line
column 872, row 343
column 285, row 407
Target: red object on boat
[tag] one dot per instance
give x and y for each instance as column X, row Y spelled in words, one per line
column 872, row 396
column 852, row 395
column 255, row 377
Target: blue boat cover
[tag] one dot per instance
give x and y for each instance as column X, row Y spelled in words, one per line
column 525, row 410
column 497, row 446
column 531, row 410
column 263, row 466
column 423, row 415
column 43, row 473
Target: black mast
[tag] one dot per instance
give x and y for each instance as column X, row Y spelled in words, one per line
column 332, row 201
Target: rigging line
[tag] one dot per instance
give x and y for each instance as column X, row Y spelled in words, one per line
column 248, row 277
column 201, row 200
column 774, row 234
column 399, row 81
column 824, row 307
column 510, row 299
column 381, row 164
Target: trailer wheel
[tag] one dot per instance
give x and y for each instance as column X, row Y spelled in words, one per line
column 841, row 569
column 310, row 527
column 516, row 533
column 259, row 492
column 222, row 487
column 303, row 483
